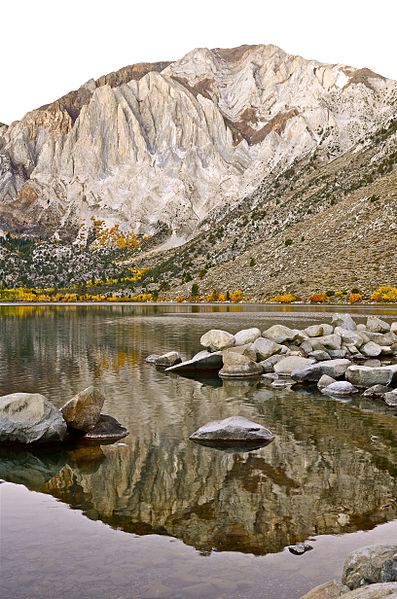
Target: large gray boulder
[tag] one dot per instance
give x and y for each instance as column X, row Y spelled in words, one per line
column 201, row 362
column 387, row 339
column 30, row 418
column 319, row 355
column 291, row 363
column 265, row 348
column 371, row 349
column 369, row 565
column 345, row 321
column 247, row 336
column 351, row 337
column 319, row 330
column 324, row 381
column 238, row 365
column 280, row 334
column 82, row 412
column 313, row 373
column 366, row 376
column 216, row 340
column 333, row 342
column 328, row 590
column 245, row 350
column 234, row 429
column 376, row 325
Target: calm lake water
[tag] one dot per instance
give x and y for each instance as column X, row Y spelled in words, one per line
column 156, row 516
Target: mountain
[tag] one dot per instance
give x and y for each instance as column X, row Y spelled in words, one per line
column 249, row 155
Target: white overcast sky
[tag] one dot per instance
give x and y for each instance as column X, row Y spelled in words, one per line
column 49, row 47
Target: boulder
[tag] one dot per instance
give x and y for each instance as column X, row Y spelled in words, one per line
column 287, row 365
column 238, row 365
column 369, row 565
column 268, row 365
column 313, row 373
column 300, row 548
column 169, row 359
column 377, row 391
column 351, row 337
column 361, row 327
column 328, row 590
column 366, row 376
column 234, row 429
column 245, row 350
column 82, row 412
column 338, row 353
column 345, row 321
column 280, row 334
column 306, row 346
column 371, row 349
column 390, row 398
column 324, row 381
column 30, row 418
column 387, row 339
column 265, row 348
column 319, row 355
column 247, row 336
column 319, row 330
column 202, row 362
column 333, row 341
column 216, row 340
column 393, row 327
column 376, row 325
column 386, row 590
column 339, row 388
column 106, row 430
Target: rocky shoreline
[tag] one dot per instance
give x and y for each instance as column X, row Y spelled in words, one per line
column 342, row 358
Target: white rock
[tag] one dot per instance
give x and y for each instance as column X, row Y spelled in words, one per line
column 291, row 363
column 376, row 325
column 216, row 340
column 265, row 348
column 319, row 330
column 371, row 349
column 339, row 388
column 247, row 336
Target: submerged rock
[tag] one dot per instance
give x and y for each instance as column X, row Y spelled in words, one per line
column 342, row 388
column 82, row 412
column 233, row 430
column 107, row 429
column 369, row 565
column 169, row 359
column 30, row 418
column 377, row 391
column 216, row 340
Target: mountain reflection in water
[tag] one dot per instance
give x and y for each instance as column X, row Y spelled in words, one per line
column 331, row 468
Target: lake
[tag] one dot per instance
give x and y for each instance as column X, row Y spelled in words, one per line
column 157, row 516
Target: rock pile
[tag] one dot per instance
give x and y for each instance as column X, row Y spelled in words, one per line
column 368, row 573
column 31, row 418
column 342, row 357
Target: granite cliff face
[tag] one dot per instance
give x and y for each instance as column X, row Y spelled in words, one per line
column 161, row 147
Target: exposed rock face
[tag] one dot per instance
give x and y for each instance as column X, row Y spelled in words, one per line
column 82, row 412
column 173, row 141
column 30, row 418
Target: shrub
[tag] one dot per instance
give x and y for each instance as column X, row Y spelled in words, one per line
column 353, row 298
column 330, row 293
column 195, row 289
column 236, row 296
column 355, row 290
column 284, row 298
column 252, row 262
column 288, row 242
column 180, row 299
column 387, row 293
column 318, row 298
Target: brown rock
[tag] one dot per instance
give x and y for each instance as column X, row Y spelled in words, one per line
column 82, row 412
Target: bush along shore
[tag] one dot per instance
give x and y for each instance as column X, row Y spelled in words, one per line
column 342, row 358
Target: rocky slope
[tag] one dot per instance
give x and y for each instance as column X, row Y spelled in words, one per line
column 250, row 153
